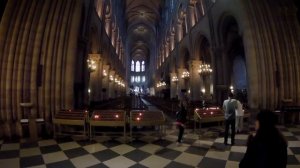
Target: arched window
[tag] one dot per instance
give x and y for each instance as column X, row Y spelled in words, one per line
column 132, row 66
column 143, row 66
column 137, row 79
column 143, row 79
column 137, row 66
column 132, row 79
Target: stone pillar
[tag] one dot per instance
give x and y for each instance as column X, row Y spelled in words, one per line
column 118, row 49
column 192, row 18
column 95, row 78
column 116, row 86
column 196, row 82
column 107, row 26
column 173, row 86
column 179, row 31
column 167, row 50
column 181, row 82
column 111, row 84
column 105, row 81
column 172, row 39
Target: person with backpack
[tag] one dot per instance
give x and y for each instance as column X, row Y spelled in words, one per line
column 229, row 107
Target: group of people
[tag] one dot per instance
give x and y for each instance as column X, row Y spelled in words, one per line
column 266, row 148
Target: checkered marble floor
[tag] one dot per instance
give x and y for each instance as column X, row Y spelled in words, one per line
column 202, row 149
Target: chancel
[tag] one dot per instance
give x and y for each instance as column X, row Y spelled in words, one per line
column 100, row 83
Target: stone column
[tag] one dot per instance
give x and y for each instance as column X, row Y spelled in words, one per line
column 172, row 40
column 179, row 31
column 173, row 86
column 95, row 79
column 105, row 81
column 107, row 26
column 181, row 81
column 116, row 86
column 111, row 84
column 196, row 82
column 167, row 50
column 192, row 18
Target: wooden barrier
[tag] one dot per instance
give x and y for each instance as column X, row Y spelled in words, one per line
column 147, row 118
column 108, row 118
column 209, row 115
column 70, row 118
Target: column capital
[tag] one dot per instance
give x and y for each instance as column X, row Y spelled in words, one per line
column 192, row 2
column 95, row 57
column 173, row 74
column 194, row 63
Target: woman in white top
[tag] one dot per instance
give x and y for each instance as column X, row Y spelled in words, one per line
column 239, row 113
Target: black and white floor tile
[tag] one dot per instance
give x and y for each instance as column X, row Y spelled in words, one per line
column 202, row 149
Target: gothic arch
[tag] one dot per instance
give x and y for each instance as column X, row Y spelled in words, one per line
column 234, row 70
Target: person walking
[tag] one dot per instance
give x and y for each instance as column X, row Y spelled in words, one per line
column 268, row 147
column 229, row 107
column 239, row 121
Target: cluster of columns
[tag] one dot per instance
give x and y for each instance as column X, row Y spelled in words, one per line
column 192, row 82
column 185, row 20
column 104, row 83
column 113, row 32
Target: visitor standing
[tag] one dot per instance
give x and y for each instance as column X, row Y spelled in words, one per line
column 239, row 121
column 229, row 107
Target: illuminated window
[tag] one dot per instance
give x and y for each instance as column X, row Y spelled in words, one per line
column 137, row 79
column 132, row 66
column 143, row 66
column 137, row 66
column 132, row 79
column 143, row 78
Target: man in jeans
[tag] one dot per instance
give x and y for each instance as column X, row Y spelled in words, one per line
column 229, row 107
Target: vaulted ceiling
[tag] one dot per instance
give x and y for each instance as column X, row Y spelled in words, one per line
column 142, row 17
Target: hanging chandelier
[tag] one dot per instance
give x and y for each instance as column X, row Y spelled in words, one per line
column 91, row 64
column 160, row 84
column 185, row 75
column 205, row 69
column 174, row 79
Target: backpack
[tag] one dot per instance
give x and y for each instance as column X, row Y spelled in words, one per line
column 231, row 109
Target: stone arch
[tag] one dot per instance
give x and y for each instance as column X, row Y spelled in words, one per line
column 234, row 70
column 204, row 54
